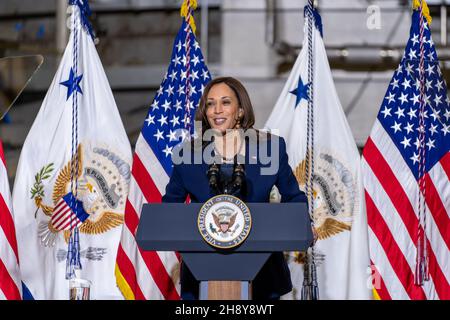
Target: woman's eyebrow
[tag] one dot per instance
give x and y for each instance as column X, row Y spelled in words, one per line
column 220, row 98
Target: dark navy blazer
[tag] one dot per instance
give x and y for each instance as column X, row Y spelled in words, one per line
column 191, row 179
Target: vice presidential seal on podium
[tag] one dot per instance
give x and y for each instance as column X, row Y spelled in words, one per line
column 224, row 221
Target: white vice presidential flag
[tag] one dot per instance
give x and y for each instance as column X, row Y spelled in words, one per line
column 339, row 213
column 44, row 177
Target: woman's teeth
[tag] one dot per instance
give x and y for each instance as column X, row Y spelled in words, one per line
column 219, row 121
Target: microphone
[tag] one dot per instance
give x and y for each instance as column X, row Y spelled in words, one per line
column 213, row 175
column 238, row 177
column 238, row 185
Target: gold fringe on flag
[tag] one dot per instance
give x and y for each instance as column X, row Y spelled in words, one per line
column 425, row 10
column 376, row 296
column 123, row 285
column 184, row 12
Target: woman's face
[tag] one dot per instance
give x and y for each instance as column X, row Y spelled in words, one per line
column 222, row 107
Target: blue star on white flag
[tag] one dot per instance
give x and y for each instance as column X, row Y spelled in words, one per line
column 301, row 91
column 72, row 84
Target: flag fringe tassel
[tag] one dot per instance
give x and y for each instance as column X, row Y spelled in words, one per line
column 375, row 294
column 425, row 10
column 189, row 4
column 123, row 285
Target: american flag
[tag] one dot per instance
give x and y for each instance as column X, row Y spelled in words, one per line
column 10, row 284
column 155, row 275
column 68, row 213
column 393, row 172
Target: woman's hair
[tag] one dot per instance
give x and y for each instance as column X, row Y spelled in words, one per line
column 248, row 118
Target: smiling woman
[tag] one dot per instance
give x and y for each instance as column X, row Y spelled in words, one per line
column 225, row 107
column 222, row 108
column 225, row 104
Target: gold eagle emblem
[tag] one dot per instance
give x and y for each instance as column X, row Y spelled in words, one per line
column 325, row 225
column 97, row 223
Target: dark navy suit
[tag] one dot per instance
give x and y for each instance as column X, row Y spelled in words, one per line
column 191, row 179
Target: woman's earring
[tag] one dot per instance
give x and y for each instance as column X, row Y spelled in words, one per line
column 238, row 120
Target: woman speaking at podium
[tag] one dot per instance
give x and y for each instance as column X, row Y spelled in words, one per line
column 225, row 107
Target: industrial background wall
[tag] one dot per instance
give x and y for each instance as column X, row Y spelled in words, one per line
column 256, row 41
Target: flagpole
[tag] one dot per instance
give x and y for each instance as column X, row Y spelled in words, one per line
column 421, row 270
column 443, row 24
column 73, row 252
column 186, row 11
column 310, row 290
column 61, row 28
column 204, row 29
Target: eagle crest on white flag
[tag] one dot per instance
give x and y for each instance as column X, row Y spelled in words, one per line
column 45, row 173
column 341, row 252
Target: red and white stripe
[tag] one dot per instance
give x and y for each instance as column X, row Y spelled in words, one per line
column 10, row 284
column 391, row 200
column 150, row 275
column 63, row 217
